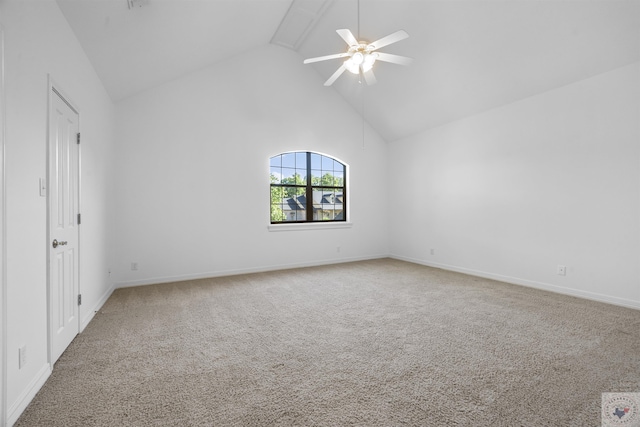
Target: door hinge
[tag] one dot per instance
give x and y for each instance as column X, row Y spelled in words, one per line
column 79, row 299
column 79, row 219
column 78, row 137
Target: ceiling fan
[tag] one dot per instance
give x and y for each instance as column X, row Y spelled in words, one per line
column 363, row 55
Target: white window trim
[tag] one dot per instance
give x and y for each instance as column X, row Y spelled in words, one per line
column 315, row 225
column 309, row 226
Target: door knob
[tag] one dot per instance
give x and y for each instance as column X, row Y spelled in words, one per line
column 55, row 243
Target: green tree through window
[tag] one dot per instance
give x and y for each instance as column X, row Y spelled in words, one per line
column 307, row 187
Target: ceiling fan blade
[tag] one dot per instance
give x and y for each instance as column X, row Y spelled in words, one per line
column 348, row 37
column 370, row 78
column 335, row 76
column 396, row 59
column 324, row 58
column 391, row 38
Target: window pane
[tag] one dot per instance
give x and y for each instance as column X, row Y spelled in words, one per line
column 316, row 162
column 327, row 163
column 317, row 198
column 330, row 197
column 288, row 176
column 277, row 213
column 276, row 174
column 275, row 161
column 292, row 191
column 289, row 160
column 294, row 204
column 315, row 176
column 301, row 160
column 302, row 173
column 333, row 179
column 276, row 195
column 327, row 178
column 323, row 204
column 339, row 178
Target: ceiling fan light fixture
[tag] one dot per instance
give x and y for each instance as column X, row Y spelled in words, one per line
column 362, row 56
column 351, row 66
column 369, row 60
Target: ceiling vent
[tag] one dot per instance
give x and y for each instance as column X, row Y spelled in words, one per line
column 137, row 3
column 301, row 17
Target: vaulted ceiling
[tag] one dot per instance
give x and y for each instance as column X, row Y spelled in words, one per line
column 469, row 55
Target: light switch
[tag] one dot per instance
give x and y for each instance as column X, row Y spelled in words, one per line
column 43, row 187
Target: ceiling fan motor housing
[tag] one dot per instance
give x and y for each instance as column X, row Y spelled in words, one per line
column 361, row 57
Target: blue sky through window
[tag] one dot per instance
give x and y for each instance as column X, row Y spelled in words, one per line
column 288, row 164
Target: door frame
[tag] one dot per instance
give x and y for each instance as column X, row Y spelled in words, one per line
column 54, row 87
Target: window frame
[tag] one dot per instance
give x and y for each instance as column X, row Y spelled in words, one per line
column 308, row 191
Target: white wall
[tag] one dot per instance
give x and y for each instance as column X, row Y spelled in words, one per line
column 3, row 299
column 510, row 193
column 193, row 171
column 39, row 42
column 515, row 191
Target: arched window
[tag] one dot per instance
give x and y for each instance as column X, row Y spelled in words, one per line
column 307, row 187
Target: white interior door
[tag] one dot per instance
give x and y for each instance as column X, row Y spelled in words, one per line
column 63, row 197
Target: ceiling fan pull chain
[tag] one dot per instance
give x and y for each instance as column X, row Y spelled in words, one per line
column 362, row 118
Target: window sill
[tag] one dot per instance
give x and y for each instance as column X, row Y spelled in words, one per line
column 309, row 226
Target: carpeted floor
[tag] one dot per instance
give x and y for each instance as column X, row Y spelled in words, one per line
column 374, row 343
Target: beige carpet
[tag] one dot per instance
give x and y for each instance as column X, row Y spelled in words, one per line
column 375, row 343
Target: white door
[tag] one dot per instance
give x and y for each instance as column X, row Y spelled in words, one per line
column 63, row 198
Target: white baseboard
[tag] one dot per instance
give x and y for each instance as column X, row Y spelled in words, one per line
column 92, row 312
column 36, row 384
column 494, row 276
column 223, row 273
column 27, row 395
column 529, row 283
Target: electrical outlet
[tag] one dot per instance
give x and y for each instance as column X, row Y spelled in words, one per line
column 432, row 251
column 134, row 266
column 22, row 356
column 337, row 248
column 562, row 270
